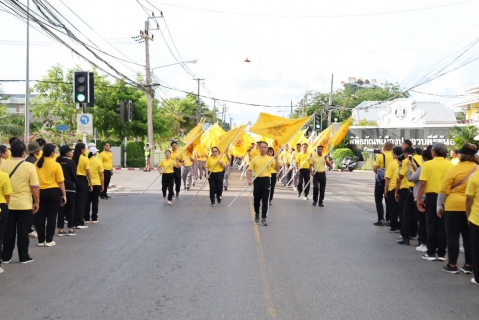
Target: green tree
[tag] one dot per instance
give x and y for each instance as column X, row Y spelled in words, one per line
column 365, row 123
column 462, row 135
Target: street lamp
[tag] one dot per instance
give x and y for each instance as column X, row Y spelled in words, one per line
column 181, row 62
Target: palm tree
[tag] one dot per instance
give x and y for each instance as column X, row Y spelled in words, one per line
column 462, row 135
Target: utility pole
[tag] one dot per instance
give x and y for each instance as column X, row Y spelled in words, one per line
column 231, row 122
column 198, row 108
column 27, row 92
column 291, row 108
column 330, row 101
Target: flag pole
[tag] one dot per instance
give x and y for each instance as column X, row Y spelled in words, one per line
column 229, row 144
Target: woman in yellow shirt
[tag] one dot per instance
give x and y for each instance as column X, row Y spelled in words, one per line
column 451, row 205
column 83, row 184
column 165, row 168
column 97, row 182
column 52, row 194
column 273, row 175
column 215, row 171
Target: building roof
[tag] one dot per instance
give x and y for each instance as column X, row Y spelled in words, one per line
column 435, row 112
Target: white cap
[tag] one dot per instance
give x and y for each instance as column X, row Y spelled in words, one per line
column 93, row 150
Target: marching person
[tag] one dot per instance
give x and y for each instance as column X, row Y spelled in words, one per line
column 226, row 178
column 187, row 171
column 273, row 174
column 5, row 192
column 295, row 173
column 67, row 210
column 83, row 184
column 25, row 184
column 177, row 155
column 147, row 149
column 52, row 194
column 201, row 160
column 166, row 170
column 390, row 181
column 215, row 171
column 303, row 164
column 106, row 158
column 318, row 172
column 97, row 183
column 380, row 165
column 261, row 167
column 286, row 159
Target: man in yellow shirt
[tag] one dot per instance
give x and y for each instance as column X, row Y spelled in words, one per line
column 382, row 161
column 391, row 180
column 303, row 163
column 177, row 156
column 256, row 150
column 106, row 158
column 187, row 171
column 201, row 160
column 472, row 212
column 432, row 175
column 261, row 165
column 318, row 171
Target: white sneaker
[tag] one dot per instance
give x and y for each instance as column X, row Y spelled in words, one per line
column 474, row 281
column 305, row 198
column 41, row 244
column 81, row 227
column 87, row 222
column 421, row 248
column 461, row 249
column 294, row 189
column 50, row 244
column 1, row 270
column 33, row 234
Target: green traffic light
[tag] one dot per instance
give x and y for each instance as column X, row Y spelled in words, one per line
column 80, row 97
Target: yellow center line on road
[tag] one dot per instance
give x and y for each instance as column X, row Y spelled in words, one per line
column 262, row 263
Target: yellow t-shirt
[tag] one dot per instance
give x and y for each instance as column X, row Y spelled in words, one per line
column 188, row 162
column 455, row 161
column 22, row 180
column 456, row 199
column 167, row 165
column 433, row 173
column 106, row 158
column 302, row 160
column 5, row 187
column 211, row 163
column 96, row 169
column 260, row 162
column 50, row 174
column 318, row 162
column 405, row 182
column 472, row 190
column 176, row 154
column 392, row 172
column 380, row 159
column 83, row 165
column 273, row 169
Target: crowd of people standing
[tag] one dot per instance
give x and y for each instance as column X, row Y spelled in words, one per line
column 41, row 191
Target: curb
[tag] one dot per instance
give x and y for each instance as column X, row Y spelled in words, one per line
column 128, row 169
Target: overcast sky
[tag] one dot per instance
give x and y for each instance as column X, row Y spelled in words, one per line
column 293, row 46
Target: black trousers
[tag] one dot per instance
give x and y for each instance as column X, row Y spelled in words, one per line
column 394, row 208
column 474, row 231
column 81, row 198
column 402, row 199
column 3, row 224
column 304, row 176
column 49, row 205
column 106, row 181
column 18, row 225
column 177, row 172
column 167, row 181
column 93, row 199
column 273, row 185
column 67, row 211
column 260, row 195
column 378, row 199
column 456, row 224
column 409, row 222
column 436, row 231
column 216, row 185
column 422, row 227
column 319, row 186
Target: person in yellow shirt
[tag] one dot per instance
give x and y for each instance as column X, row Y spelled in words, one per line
column 3, row 155
column 287, row 159
column 318, row 163
column 389, row 191
column 303, row 164
column 432, row 175
column 472, row 212
column 226, row 177
column 52, row 194
column 256, row 150
column 97, row 182
column 295, row 173
column 273, row 174
column 382, row 161
column 201, row 164
column 176, row 154
column 215, row 170
column 106, row 158
column 166, row 170
column 147, row 149
column 454, row 158
column 41, row 142
column 261, row 167
column 187, row 171
column 84, row 185
column 5, row 192
column 451, row 206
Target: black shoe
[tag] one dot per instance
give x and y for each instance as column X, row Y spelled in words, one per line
column 108, row 197
column 466, row 269
column 403, row 241
column 320, row 204
column 226, row 188
column 388, row 223
column 256, row 217
column 380, row 223
column 448, row 268
column 263, row 222
column 177, row 195
column 314, row 203
column 219, row 199
column 393, row 230
column 213, row 204
column 103, row 198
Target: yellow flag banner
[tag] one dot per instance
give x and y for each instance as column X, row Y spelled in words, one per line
column 278, row 128
column 211, row 137
column 194, row 132
column 296, row 139
column 242, row 145
column 323, row 136
column 230, row 138
column 187, row 149
column 339, row 135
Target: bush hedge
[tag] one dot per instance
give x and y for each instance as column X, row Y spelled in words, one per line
column 340, row 154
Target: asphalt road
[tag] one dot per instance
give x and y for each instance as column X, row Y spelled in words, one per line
column 147, row 260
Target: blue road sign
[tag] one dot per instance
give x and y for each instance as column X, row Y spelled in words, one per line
column 84, row 119
column 62, row 127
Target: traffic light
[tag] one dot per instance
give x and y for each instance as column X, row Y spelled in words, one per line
column 130, row 111
column 318, row 119
column 120, row 111
column 81, row 86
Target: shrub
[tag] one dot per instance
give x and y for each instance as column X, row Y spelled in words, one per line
column 135, row 162
column 340, row 154
column 369, row 165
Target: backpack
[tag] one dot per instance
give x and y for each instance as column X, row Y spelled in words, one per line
column 381, row 172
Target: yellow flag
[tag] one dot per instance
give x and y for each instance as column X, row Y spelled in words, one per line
column 194, row 132
column 297, row 137
column 278, row 128
column 211, row 137
column 242, row 145
column 325, row 134
column 339, row 135
column 230, row 138
column 187, row 149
